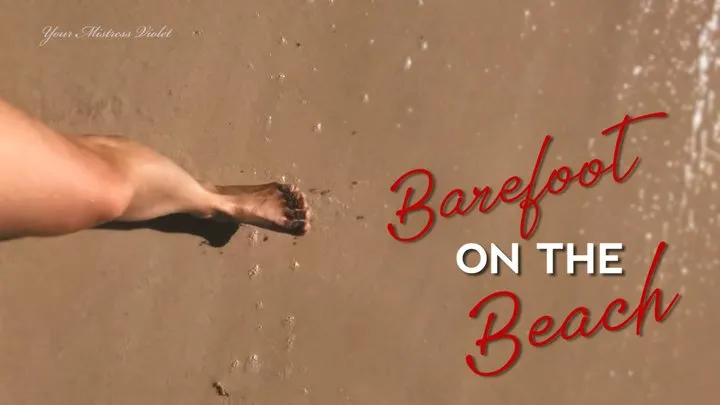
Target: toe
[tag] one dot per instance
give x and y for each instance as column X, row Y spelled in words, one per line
column 285, row 189
column 298, row 227
column 301, row 203
column 294, row 200
column 295, row 214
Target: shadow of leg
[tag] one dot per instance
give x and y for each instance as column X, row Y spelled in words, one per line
column 217, row 234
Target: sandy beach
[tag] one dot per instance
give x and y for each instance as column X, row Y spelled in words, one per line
column 341, row 98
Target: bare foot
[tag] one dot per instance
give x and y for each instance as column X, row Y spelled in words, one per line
column 274, row 206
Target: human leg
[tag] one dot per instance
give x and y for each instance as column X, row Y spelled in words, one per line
column 52, row 184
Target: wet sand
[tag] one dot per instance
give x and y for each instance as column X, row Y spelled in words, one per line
column 342, row 97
